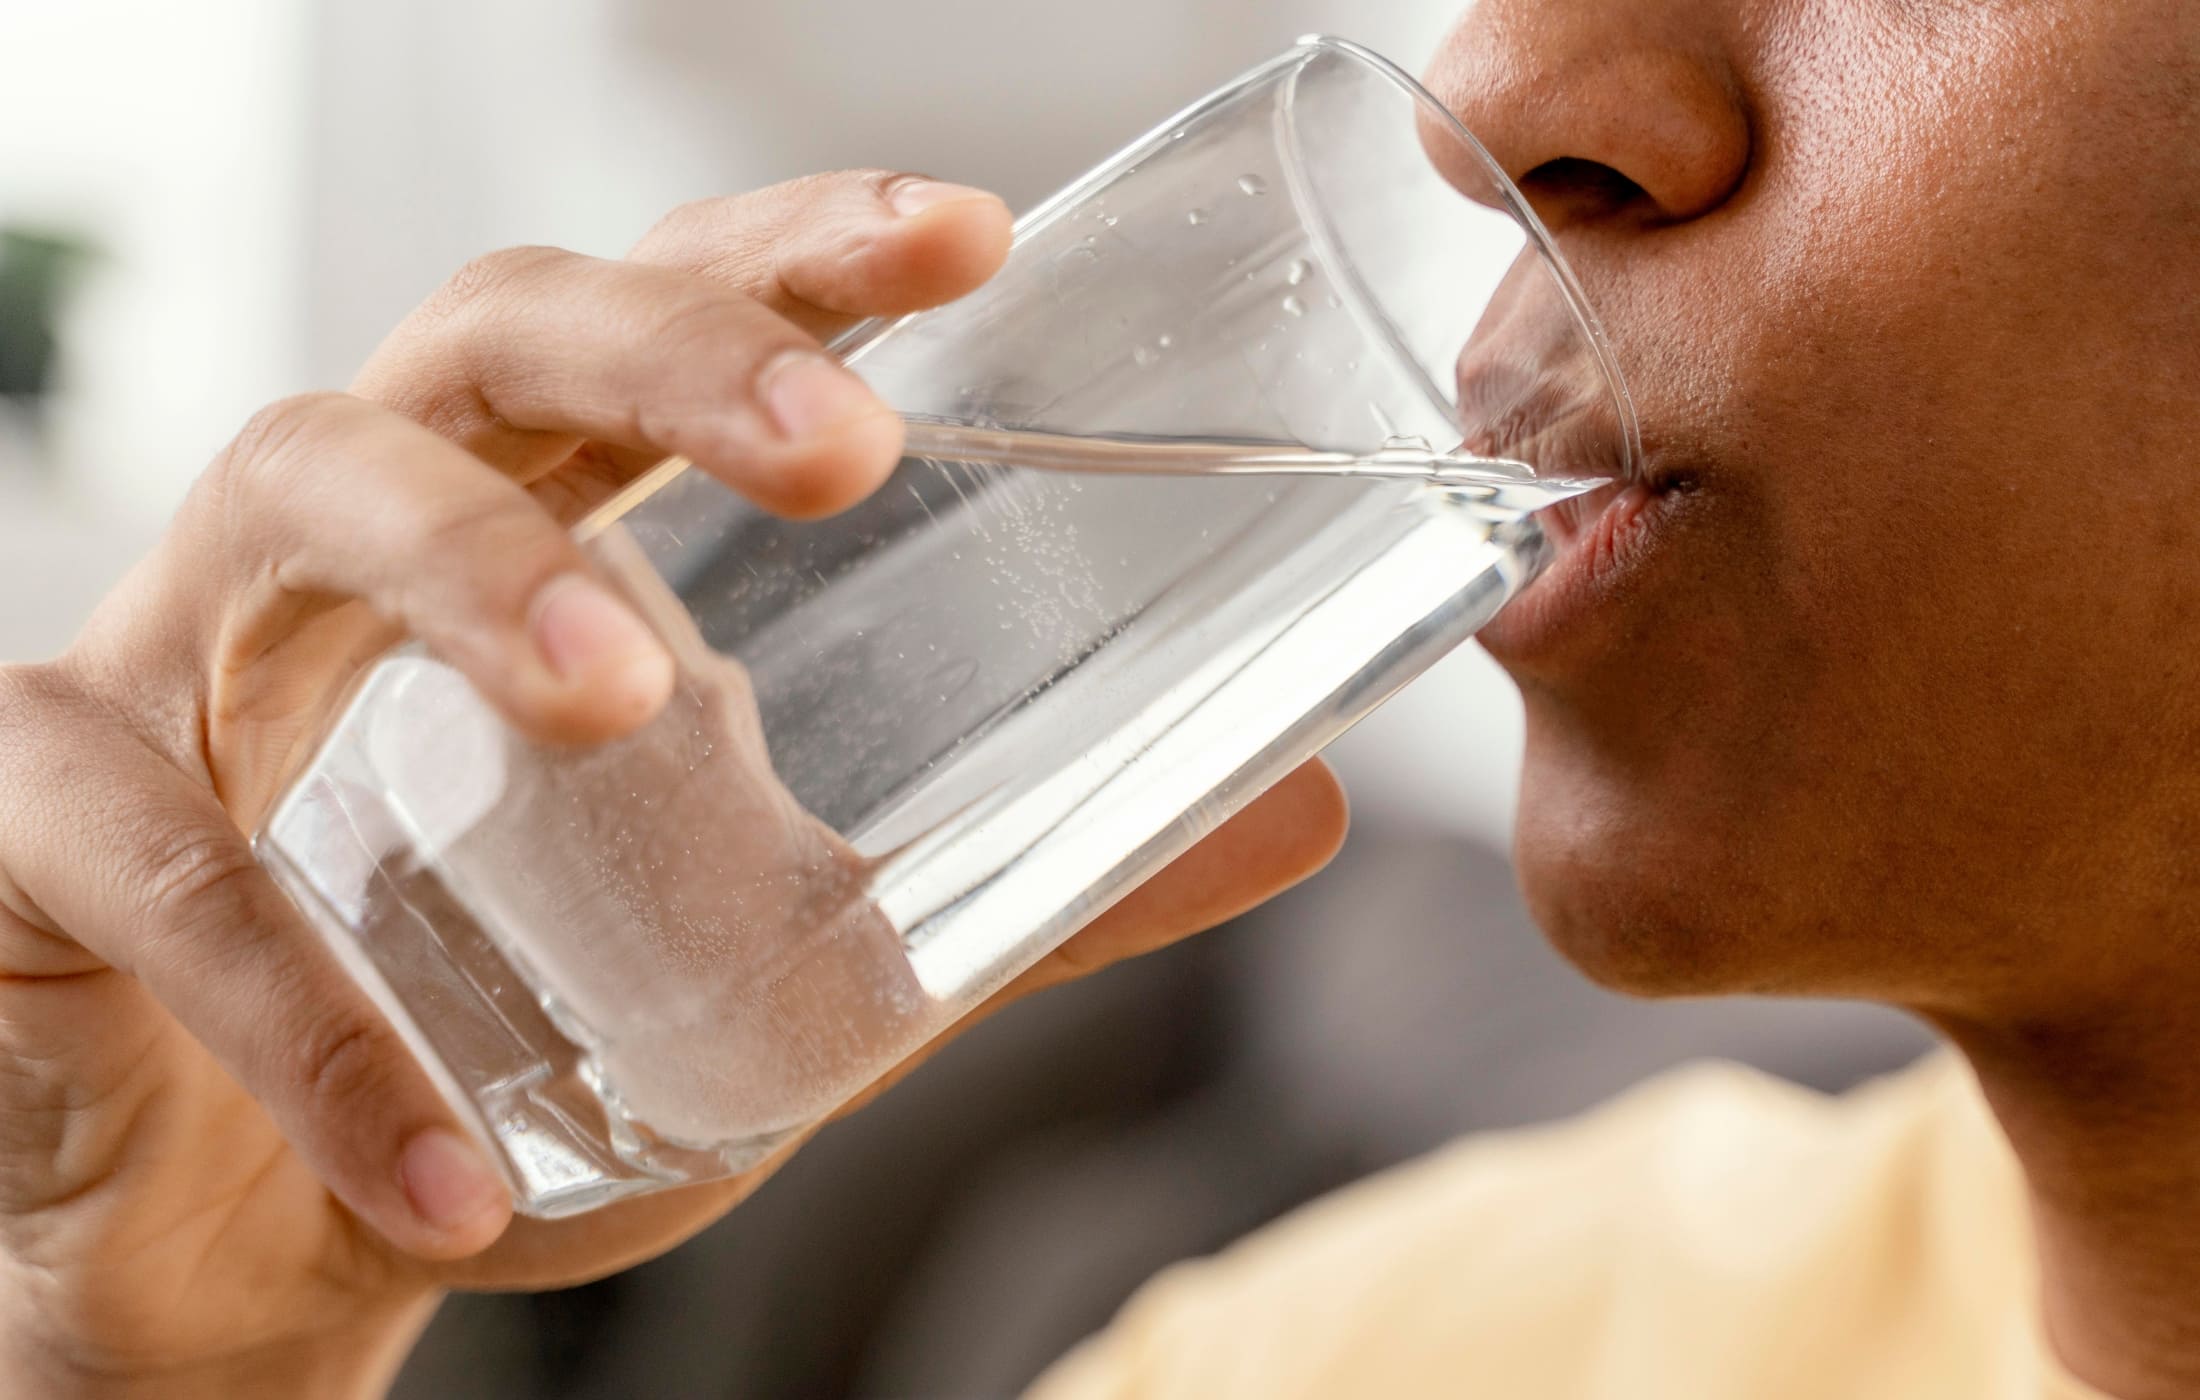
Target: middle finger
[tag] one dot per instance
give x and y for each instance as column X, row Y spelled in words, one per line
column 530, row 352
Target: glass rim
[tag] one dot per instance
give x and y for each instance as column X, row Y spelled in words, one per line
column 1586, row 320
column 1132, row 154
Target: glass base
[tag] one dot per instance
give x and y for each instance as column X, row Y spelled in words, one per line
column 553, row 1126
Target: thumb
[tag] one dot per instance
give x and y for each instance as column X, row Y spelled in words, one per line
column 157, row 882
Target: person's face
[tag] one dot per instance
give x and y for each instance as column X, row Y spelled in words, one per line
column 1892, row 687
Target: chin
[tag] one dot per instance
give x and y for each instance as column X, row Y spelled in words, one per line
column 1617, row 924
column 1647, row 891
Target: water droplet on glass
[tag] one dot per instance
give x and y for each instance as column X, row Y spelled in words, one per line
column 1197, row 216
column 1298, row 272
column 1144, row 356
column 1111, row 220
column 1408, row 444
column 1079, row 254
column 1177, row 135
column 1293, row 305
column 1252, row 184
column 1165, row 340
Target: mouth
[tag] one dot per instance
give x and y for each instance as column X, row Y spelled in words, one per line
column 1602, row 541
column 1532, row 385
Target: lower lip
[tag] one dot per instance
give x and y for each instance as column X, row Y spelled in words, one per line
column 1601, row 540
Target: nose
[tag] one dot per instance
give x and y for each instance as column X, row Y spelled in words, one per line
column 1601, row 110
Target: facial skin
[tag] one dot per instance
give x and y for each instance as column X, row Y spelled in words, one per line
column 1890, row 685
column 1900, row 694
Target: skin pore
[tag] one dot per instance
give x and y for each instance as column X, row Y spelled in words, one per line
column 1894, row 690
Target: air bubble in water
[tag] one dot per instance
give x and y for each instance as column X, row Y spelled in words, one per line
column 1197, row 216
column 1111, row 220
column 1165, row 340
column 1252, row 184
column 1293, row 305
column 1298, row 272
column 1144, row 356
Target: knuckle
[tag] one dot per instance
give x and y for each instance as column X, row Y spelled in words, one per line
column 814, row 203
column 738, row 239
column 686, row 225
column 490, row 278
column 195, row 881
column 728, row 241
column 269, row 445
column 481, row 554
column 340, row 1062
column 833, row 183
column 703, row 326
column 499, row 526
column 284, row 426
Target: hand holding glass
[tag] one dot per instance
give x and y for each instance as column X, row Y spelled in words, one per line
column 1247, row 433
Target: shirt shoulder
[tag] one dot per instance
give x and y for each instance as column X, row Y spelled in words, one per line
column 1713, row 1233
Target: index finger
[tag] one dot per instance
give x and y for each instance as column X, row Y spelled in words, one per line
column 829, row 250
column 818, row 254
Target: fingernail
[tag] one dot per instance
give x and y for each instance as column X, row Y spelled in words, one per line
column 917, row 194
column 809, row 394
column 447, row 1180
column 582, row 631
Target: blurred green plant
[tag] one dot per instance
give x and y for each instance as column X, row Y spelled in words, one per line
column 37, row 268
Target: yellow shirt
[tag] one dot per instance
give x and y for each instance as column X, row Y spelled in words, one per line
column 1712, row 1235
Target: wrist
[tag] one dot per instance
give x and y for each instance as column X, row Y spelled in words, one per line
column 358, row 1362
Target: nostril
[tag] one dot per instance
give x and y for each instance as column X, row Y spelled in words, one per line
column 1573, row 191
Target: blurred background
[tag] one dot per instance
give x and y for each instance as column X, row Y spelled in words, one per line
column 205, row 207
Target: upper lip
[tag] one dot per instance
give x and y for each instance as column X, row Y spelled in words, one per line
column 1532, row 397
column 1562, row 430
column 1533, row 384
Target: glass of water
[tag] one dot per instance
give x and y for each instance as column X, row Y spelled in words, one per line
column 1248, row 432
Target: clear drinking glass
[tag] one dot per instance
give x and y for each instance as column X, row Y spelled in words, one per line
column 1298, row 365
